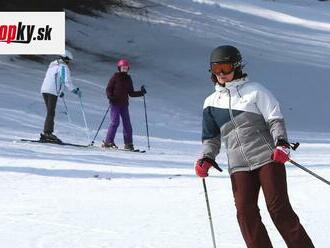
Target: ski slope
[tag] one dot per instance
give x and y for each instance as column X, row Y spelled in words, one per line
column 55, row 196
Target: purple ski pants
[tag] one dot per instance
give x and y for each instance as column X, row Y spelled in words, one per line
column 115, row 114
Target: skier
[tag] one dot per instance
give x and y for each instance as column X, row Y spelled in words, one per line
column 247, row 118
column 119, row 88
column 58, row 76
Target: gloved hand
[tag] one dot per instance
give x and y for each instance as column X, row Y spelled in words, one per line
column 112, row 99
column 77, row 92
column 61, row 94
column 203, row 165
column 281, row 152
column 143, row 90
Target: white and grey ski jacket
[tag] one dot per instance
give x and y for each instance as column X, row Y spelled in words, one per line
column 57, row 76
column 247, row 118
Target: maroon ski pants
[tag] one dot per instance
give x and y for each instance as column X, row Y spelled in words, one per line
column 272, row 179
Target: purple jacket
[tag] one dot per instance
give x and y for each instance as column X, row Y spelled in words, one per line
column 120, row 86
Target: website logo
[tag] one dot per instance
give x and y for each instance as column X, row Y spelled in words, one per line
column 23, row 33
column 32, row 32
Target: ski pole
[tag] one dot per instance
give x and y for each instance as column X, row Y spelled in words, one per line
column 146, row 117
column 97, row 132
column 309, row 171
column 84, row 116
column 209, row 213
column 67, row 110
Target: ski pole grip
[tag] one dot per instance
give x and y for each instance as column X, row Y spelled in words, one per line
column 294, row 146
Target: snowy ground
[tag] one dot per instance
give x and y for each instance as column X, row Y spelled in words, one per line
column 54, row 196
column 72, row 197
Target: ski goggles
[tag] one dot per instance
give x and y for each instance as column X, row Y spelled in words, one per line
column 218, row 68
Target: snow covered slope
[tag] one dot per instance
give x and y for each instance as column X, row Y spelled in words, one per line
column 54, row 196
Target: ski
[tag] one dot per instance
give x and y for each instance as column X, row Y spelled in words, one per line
column 124, row 150
column 55, row 143
column 135, row 150
column 78, row 145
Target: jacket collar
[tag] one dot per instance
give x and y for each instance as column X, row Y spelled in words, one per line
column 231, row 85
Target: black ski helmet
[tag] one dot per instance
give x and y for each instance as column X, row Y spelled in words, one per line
column 226, row 54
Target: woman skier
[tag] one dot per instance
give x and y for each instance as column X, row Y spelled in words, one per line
column 119, row 88
column 247, row 118
column 58, row 77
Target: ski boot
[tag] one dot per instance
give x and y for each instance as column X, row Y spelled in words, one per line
column 109, row 145
column 129, row 147
column 49, row 138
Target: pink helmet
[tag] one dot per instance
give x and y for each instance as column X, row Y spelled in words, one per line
column 123, row 62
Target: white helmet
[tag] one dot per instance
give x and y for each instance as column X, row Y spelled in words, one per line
column 67, row 55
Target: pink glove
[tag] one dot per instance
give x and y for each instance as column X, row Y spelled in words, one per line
column 203, row 165
column 281, row 154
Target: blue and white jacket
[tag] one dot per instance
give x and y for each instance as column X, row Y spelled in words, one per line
column 247, row 118
column 57, row 77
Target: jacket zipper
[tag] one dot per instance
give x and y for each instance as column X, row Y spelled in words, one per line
column 235, row 127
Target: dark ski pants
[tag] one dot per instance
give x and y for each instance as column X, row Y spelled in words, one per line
column 116, row 113
column 50, row 101
column 272, row 179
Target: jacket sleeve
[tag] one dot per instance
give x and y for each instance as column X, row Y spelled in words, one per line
column 110, row 87
column 131, row 91
column 65, row 77
column 211, row 137
column 270, row 109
